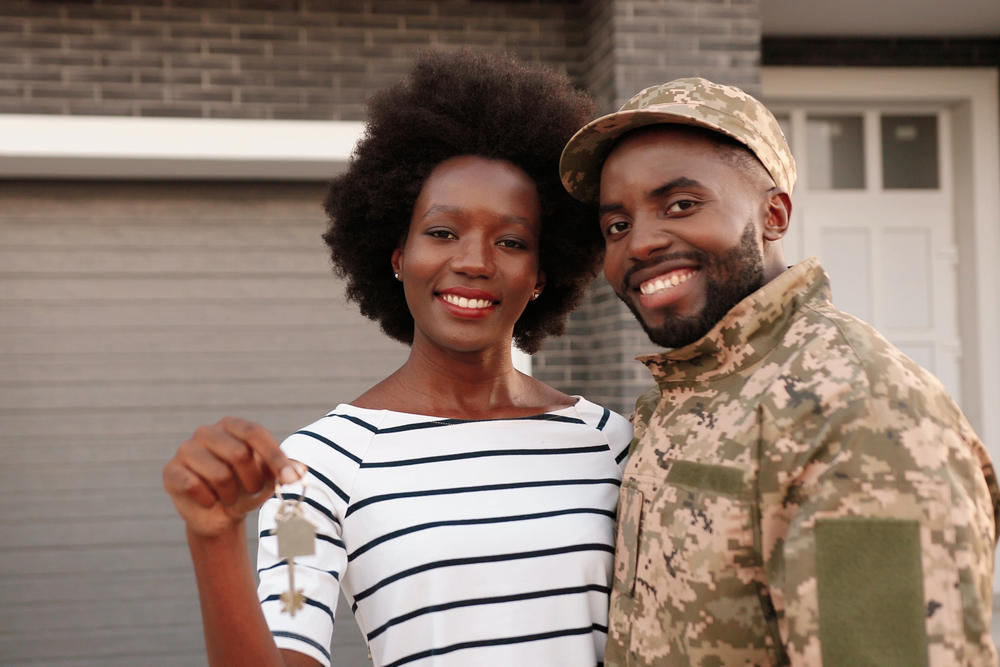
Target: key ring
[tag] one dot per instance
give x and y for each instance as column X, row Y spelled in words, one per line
column 288, row 506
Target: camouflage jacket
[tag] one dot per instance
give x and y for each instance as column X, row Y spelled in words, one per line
column 799, row 492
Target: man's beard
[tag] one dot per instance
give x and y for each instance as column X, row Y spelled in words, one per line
column 729, row 278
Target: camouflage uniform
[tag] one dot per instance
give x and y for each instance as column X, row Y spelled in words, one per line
column 800, row 492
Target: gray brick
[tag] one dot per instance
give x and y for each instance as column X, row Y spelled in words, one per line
column 369, row 21
column 231, row 111
column 186, row 94
column 60, row 28
column 160, row 14
column 131, row 92
column 44, row 91
column 31, row 74
column 270, row 96
column 267, row 33
column 74, row 75
column 102, row 108
column 169, row 110
column 29, row 42
column 98, row 13
column 171, row 77
column 219, row 47
column 138, row 60
column 33, row 106
column 98, row 44
column 202, row 31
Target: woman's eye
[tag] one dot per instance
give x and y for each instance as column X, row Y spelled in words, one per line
column 442, row 233
column 511, row 243
column 681, row 205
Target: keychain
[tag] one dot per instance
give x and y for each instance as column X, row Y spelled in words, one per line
column 296, row 537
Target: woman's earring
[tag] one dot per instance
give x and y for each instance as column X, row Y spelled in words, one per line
column 536, row 295
column 396, row 276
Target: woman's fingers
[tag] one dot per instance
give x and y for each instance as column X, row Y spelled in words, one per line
column 232, row 462
column 263, row 443
column 182, row 483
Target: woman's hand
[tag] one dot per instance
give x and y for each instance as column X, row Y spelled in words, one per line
column 224, row 472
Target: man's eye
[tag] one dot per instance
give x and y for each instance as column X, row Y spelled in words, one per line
column 681, row 205
column 616, row 228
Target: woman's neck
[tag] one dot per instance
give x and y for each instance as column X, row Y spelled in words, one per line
column 473, row 385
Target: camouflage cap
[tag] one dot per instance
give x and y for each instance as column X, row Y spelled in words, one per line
column 690, row 101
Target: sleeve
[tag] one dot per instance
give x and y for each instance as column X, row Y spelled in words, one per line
column 877, row 529
column 619, row 434
column 324, row 504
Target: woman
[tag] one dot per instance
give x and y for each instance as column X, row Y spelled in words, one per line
column 465, row 509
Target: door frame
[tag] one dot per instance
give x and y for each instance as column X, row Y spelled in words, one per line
column 971, row 95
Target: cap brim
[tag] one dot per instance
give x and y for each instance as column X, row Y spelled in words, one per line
column 585, row 152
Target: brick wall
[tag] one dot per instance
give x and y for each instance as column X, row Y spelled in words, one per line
column 305, row 59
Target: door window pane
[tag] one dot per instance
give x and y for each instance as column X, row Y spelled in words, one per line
column 836, row 152
column 909, row 152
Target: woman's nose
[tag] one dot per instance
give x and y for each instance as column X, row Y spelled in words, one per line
column 473, row 257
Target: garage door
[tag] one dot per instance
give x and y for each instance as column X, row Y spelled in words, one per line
column 129, row 315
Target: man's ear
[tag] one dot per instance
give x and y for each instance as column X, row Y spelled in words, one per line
column 778, row 215
column 397, row 261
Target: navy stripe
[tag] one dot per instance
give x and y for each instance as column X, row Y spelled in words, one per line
column 304, row 640
column 319, row 536
column 331, row 443
column 622, row 454
column 485, row 453
column 312, row 603
column 331, row 540
column 450, row 422
column 356, row 420
column 451, row 562
column 329, row 483
column 471, row 522
column 498, row 642
column 554, row 592
column 332, row 573
column 475, row 489
column 322, row 509
column 604, row 419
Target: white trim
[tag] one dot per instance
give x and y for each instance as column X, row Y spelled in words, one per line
column 49, row 146
column 974, row 92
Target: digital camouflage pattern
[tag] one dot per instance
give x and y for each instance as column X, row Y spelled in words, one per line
column 788, row 416
column 689, row 101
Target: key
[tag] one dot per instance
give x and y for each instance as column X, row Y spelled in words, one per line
column 296, row 537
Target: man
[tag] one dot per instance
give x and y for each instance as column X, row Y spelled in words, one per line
column 798, row 492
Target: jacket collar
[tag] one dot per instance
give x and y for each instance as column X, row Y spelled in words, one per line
column 747, row 333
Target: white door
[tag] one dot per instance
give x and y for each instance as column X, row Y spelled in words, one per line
column 874, row 203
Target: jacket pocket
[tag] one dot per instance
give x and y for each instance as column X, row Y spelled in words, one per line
column 627, row 539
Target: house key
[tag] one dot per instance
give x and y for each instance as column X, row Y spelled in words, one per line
column 296, row 537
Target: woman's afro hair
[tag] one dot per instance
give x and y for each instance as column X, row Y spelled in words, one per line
column 462, row 103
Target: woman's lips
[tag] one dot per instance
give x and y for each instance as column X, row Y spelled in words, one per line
column 468, row 302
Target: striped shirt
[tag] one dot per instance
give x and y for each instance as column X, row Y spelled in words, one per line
column 456, row 542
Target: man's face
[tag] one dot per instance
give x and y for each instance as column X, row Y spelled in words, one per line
column 681, row 225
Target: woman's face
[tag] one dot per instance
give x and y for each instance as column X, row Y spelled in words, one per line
column 470, row 264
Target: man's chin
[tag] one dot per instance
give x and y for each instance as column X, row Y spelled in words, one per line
column 673, row 332
column 676, row 333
